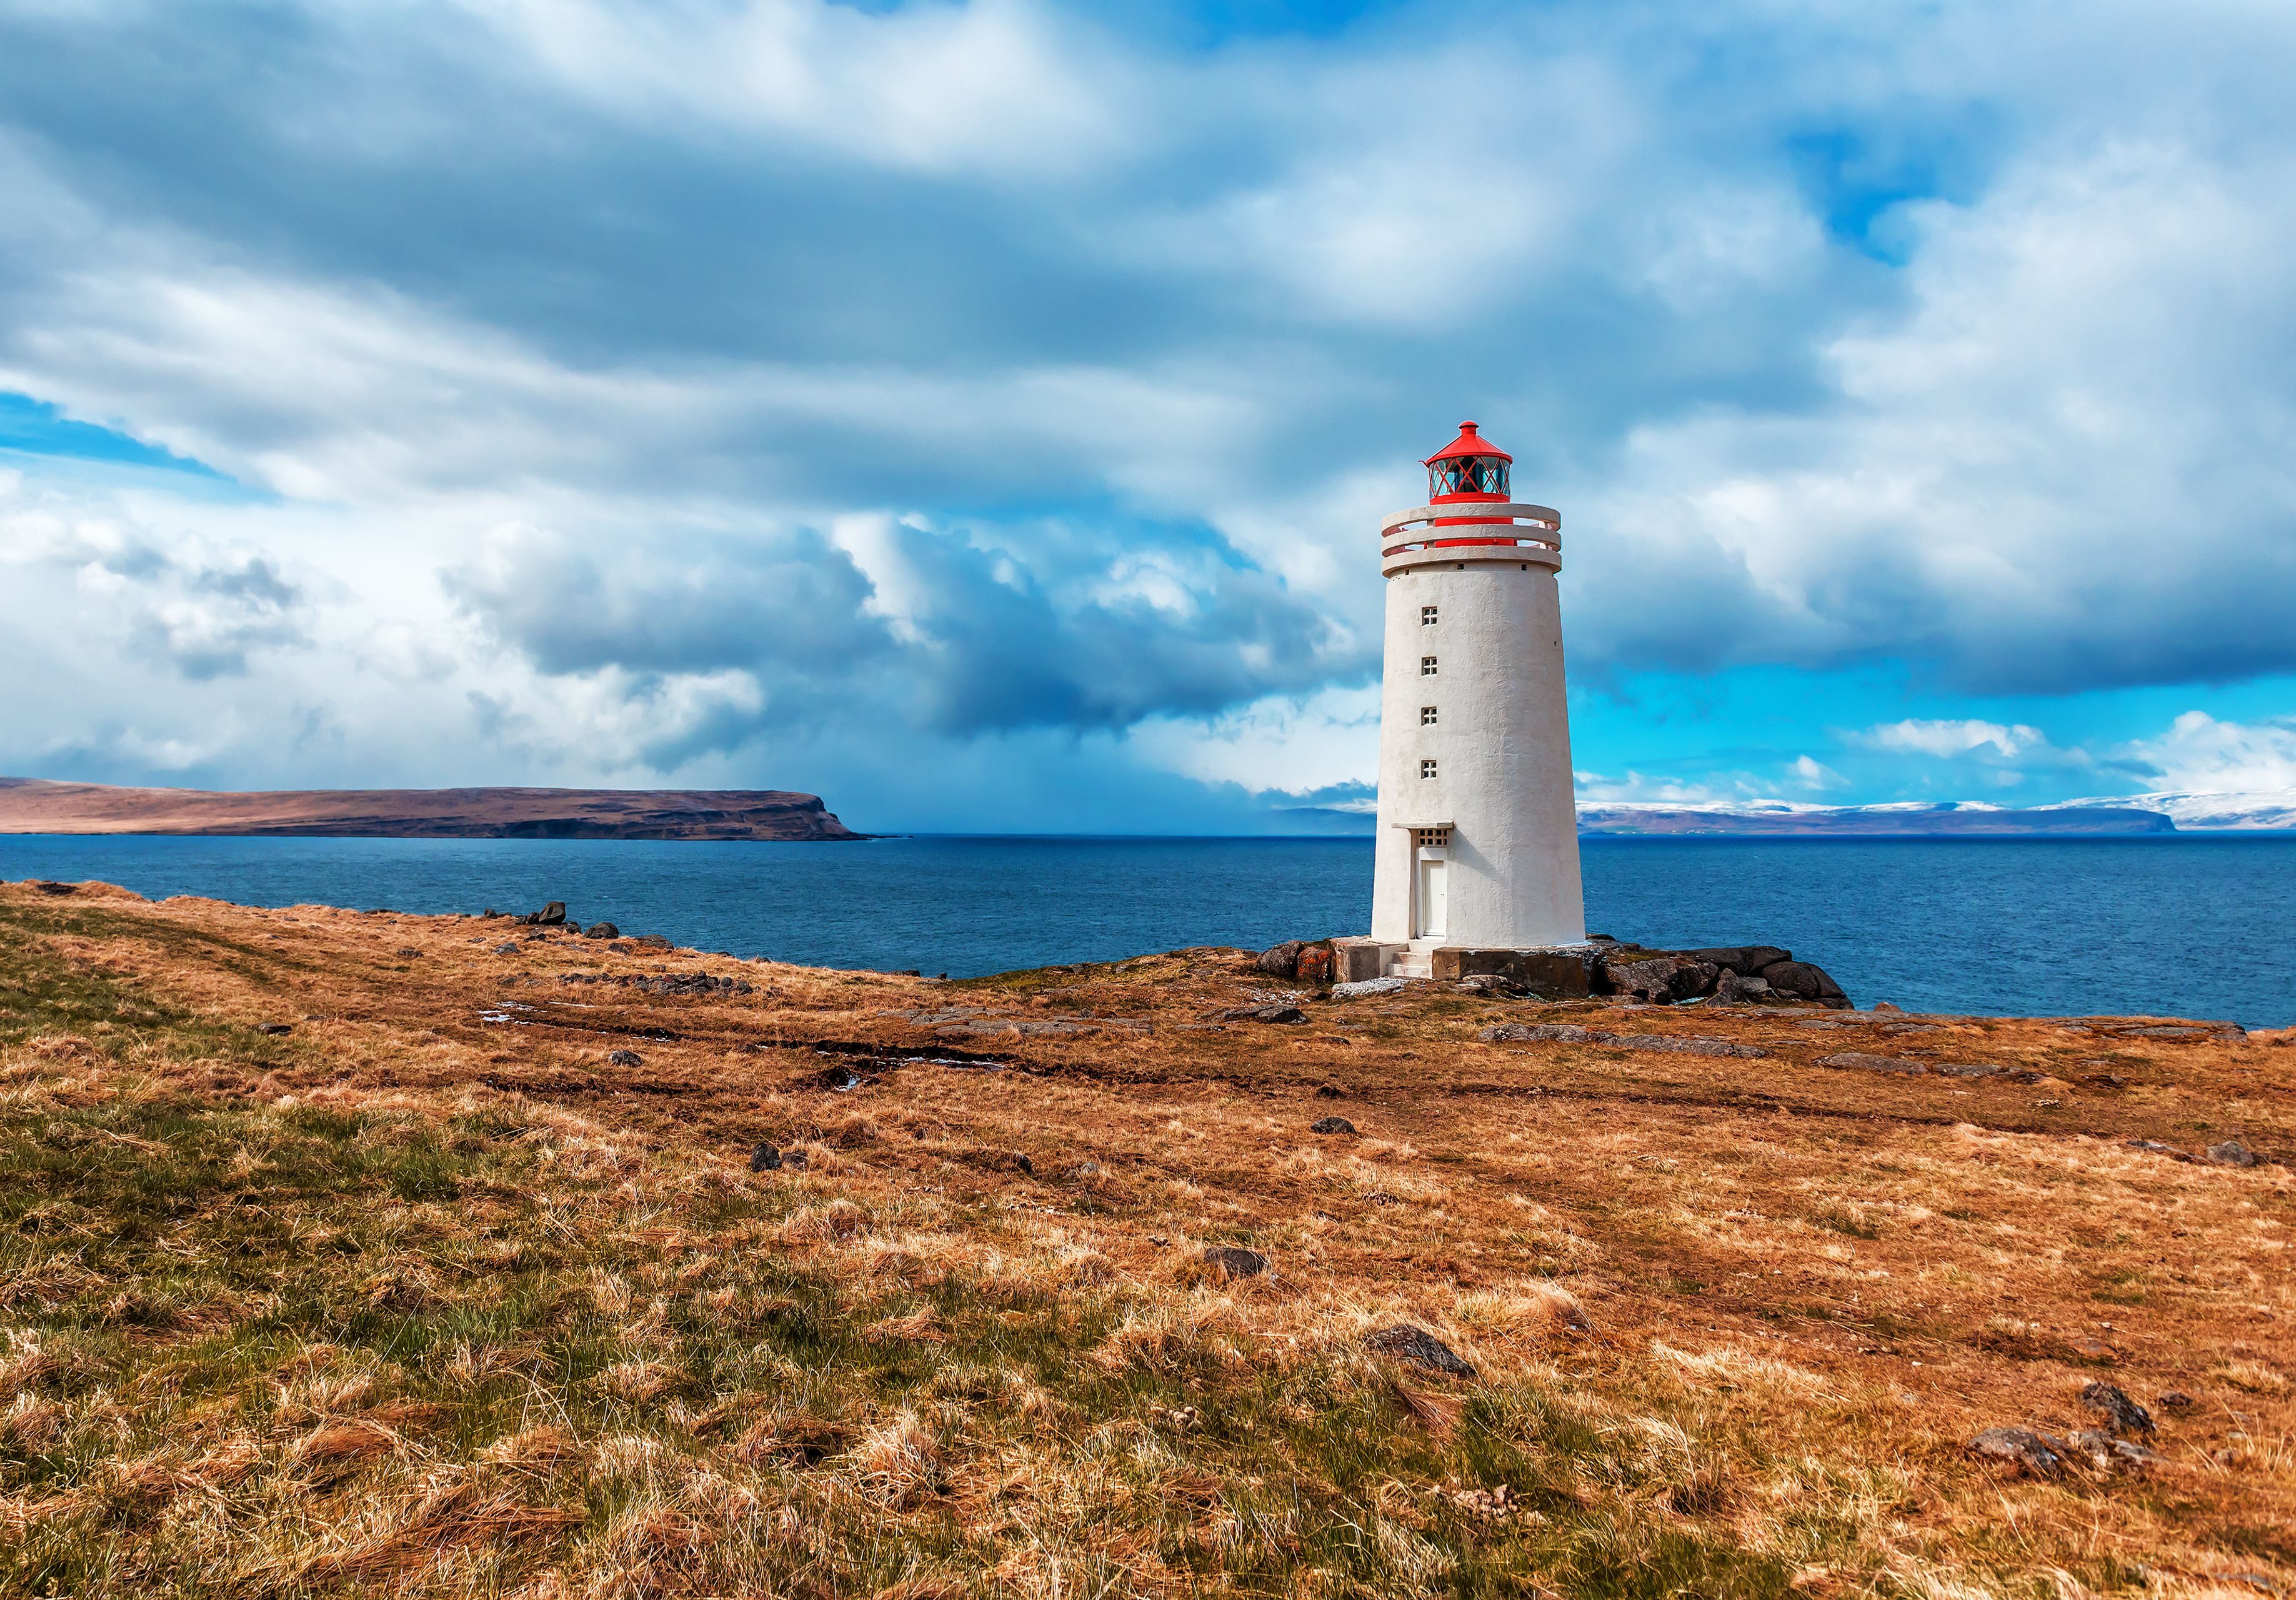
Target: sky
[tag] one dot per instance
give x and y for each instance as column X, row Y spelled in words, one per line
column 980, row 414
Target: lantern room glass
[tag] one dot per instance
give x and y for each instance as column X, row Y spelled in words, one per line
column 1467, row 475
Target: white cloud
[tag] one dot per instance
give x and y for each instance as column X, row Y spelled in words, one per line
column 1947, row 737
column 2198, row 754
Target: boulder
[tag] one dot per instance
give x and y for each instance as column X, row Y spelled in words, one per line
column 1732, row 990
column 1745, row 959
column 1800, row 981
column 1419, row 1348
column 624, row 1058
column 2121, row 1413
column 1281, row 961
column 1314, row 965
column 602, row 930
column 552, row 915
column 1662, row 979
column 1331, row 1125
column 1235, row 1261
column 2232, row 1153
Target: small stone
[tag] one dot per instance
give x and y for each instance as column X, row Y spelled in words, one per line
column 511, row 948
column 1024, row 1164
column 274, row 1028
column 1235, row 1261
column 764, row 1158
column 1331, row 1125
column 2175, row 1399
column 2113, row 1402
column 2155, row 1147
column 2232, row 1153
column 1275, row 1013
column 1971, row 1068
column 624, row 1058
column 2021, row 1448
column 1420, row 1348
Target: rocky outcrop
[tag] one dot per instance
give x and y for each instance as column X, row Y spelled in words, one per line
column 1728, row 974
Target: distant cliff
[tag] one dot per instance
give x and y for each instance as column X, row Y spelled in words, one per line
column 34, row 806
column 1782, row 819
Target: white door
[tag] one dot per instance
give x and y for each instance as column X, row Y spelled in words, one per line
column 1433, row 905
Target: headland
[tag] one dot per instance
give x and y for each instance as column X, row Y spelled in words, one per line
column 36, row 806
column 343, row 1246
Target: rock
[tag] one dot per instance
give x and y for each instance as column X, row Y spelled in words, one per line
column 2113, row 1403
column 1971, row 1068
column 1420, row 1348
column 602, row 930
column 1021, row 1163
column 1661, row 980
column 1315, row 964
column 651, row 941
column 47, row 887
column 2232, row 1153
column 1331, row 1125
column 1369, row 986
column 1746, row 960
column 2175, row 1399
column 2021, row 1448
column 794, row 1161
column 1685, row 1043
column 511, row 948
column 1275, row 1013
column 552, row 915
column 1281, row 961
column 1731, row 989
column 1486, row 983
column 1860, row 1061
column 2155, row 1147
column 764, row 1158
column 624, row 1058
column 1669, row 1044
column 1327, row 1091
column 1509, row 1033
column 2105, row 1452
column 274, row 1028
column 1235, row 1261
column 1804, row 981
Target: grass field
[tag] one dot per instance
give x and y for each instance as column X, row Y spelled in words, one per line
column 419, row 1292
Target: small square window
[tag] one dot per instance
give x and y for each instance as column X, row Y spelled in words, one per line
column 1427, row 616
column 1427, row 666
column 1427, row 769
column 1426, row 716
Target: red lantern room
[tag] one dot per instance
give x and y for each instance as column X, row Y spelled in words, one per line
column 1470, row 468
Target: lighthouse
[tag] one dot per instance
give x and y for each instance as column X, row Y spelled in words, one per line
column 1478, row 846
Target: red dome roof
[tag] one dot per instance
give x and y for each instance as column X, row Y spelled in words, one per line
column 1468, row 443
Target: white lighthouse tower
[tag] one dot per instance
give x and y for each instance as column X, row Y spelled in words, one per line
column 1478, row 845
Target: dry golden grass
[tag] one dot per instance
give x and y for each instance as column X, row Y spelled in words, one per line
column 426, row 1294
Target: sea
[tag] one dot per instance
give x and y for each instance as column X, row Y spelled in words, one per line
column 2177, row 926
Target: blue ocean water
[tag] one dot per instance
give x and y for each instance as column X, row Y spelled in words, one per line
column 2182, row 926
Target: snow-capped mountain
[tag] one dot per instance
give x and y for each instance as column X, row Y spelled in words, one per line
column 2249, row 810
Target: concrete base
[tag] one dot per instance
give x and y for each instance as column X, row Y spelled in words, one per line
column 1555, row 972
